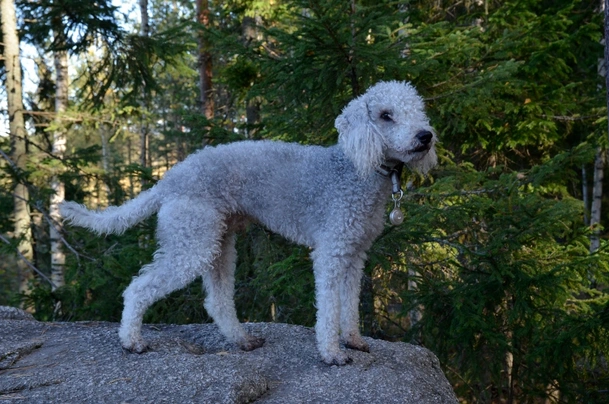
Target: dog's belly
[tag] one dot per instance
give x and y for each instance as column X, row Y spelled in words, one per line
column 316, row 226
column 293, row 226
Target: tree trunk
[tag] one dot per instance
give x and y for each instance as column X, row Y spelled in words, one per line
column 205, row 63
column 144, row 161
column 129, row 162
column 585, row 196
column 416, row 314
column 355, row 88
column 597, row 198
column 104, row 133
column 58, row 258
column 21, row 214
column 605, row 8
column 145, row 26
column 252, row 108
column 144, row 141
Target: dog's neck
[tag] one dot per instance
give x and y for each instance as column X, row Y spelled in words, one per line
column 386, row 168
column 393, row 170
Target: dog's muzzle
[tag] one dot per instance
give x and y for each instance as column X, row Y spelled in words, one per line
column 424, row 137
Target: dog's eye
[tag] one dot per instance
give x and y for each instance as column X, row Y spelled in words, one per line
column 386, row 116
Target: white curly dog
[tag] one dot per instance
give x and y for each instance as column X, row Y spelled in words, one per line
column 331, row 199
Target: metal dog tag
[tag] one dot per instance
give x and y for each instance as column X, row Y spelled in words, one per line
column 396, row 217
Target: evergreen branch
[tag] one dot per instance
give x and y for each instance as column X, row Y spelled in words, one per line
column 457, row 374
column 50, row 154
column 387, row 318
column 459, row 247
column 66, row 117
column 447, row 195
column 38, row 207
column 60, row 231
column 28, row 263
column 9, row 161
column 272, row 53
column 573, row 118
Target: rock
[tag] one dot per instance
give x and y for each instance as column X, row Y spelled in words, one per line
column 83, row 362
column 13, row 313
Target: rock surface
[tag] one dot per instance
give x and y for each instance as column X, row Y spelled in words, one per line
column 83, row 363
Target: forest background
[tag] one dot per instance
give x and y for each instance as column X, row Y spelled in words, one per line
column 501, row 266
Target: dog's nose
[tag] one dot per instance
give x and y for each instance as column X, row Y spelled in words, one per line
column 424, row 137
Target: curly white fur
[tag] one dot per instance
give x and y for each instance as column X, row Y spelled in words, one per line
column 330, row 199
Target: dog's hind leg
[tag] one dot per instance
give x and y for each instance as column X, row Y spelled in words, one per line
column 157, row 281
column 219, row 283
column 189, row 243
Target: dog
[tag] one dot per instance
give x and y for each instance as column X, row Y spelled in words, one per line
column 331, row 199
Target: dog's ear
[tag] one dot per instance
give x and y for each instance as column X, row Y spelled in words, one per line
column 362, row 144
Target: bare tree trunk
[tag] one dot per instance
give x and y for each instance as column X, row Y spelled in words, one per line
column 599, row 160
column 144, row 149
column 18, row 135
column 145, row 26
column 605, row 8
column 585, row 195
column 104, row 133
column 180, row 146
column 58, row 257
column 129, row 162
column 144, row 141
column 416, row 314
column 597, row 198
column 205, row 63
column 252, row 108
column 352, row 57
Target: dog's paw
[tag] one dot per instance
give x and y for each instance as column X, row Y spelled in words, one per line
column 139, row 346
column 339, row 359
column 359, row 345
column 251, row 343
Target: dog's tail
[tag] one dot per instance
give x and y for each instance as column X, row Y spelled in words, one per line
column 115, row 219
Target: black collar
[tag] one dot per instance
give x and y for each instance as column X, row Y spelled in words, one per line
column 387, row 167
column 392, row 169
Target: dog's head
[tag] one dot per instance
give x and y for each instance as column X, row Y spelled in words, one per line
column 387, row 123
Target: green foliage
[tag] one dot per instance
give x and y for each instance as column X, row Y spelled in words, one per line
column 274, row 279
column 83, row 23
column 9, row 277
column 326, row 53
column 95, row 280
column 6, row 199
column 131, row 65
column 503, row 272
column 514, row 85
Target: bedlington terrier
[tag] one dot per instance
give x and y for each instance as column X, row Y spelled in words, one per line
column 331, row 199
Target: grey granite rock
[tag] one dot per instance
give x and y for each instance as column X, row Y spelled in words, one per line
column 83, row 363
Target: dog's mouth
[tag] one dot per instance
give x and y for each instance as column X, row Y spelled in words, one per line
column 423, row 148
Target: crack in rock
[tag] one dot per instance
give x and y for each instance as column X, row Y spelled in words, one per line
column 8, row 357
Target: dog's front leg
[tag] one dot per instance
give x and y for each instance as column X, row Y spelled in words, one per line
column 328, row 271
column 350, row 288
